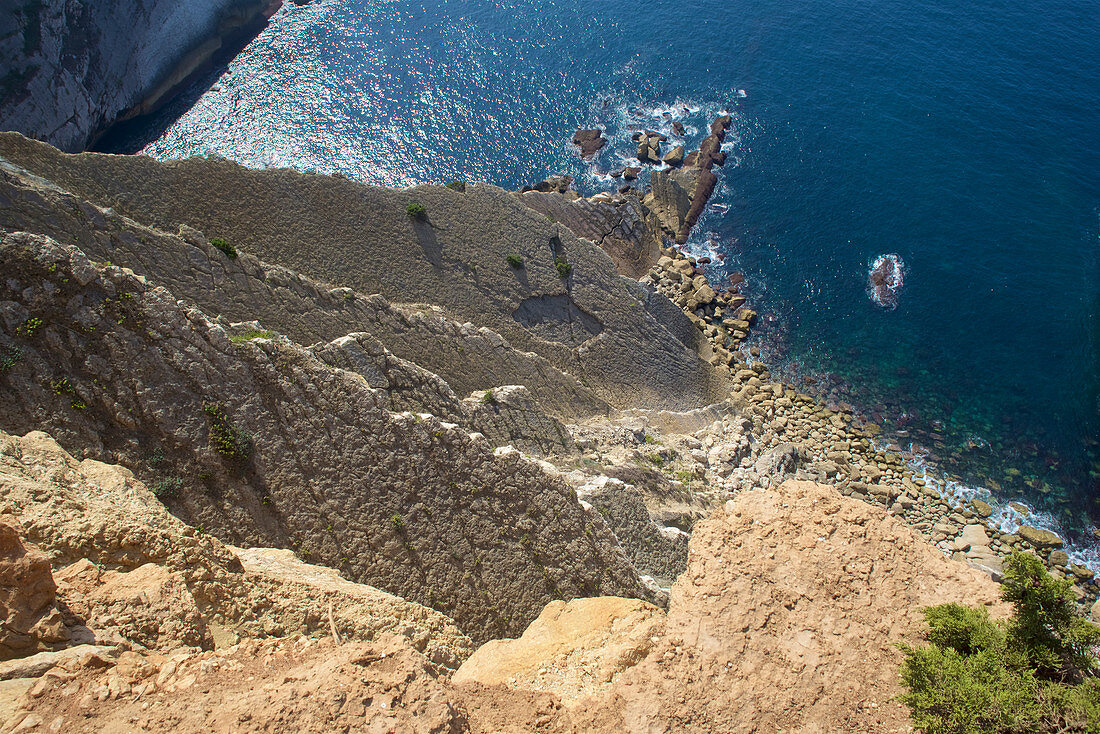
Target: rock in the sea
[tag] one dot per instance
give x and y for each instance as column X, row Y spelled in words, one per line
column 678, row 128
column 589, row 141
column 675, row 156
column 1041, row 539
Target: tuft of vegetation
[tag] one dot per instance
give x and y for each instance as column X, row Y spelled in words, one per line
column 514, row 260
column 459, row 186
column 9, row 355
column 416, row 210
column 29, row 327
column 489, row 398
column 167, row 488
column 1034, row 673
column 226, row 438
column 398, row 523
column 563, row 267
column 250, row 335
column 229, row 250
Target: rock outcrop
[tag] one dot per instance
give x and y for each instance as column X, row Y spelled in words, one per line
column 72, row 69
column 29, row 618
column 785, row 621
column 256, row 440
column 137, row 575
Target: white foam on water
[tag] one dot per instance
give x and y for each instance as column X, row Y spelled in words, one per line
column 1004, row 519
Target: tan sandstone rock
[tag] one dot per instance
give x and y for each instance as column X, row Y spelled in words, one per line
column 29, row 619
column 573, row 649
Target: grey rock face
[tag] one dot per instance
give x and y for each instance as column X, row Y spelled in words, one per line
column 341, row 232
column 261, row 443
column 403, row 340
column 618, row 226
column 658, row 552
column 74, row 68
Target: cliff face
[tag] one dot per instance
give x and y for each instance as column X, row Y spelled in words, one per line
column 72, row 69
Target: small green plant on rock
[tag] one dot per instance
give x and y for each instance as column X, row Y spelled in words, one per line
column 416, row 210
column 226, row 438
column 398, row 523
column 250, row 335
column 167, row 488
column 489, row 398
column 514, row 260
column 9, row 355
column 29, row 327
column 563, row 267
column 229, row 250
column 1034, row 673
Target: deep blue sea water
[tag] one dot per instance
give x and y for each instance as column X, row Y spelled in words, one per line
column 962, row 137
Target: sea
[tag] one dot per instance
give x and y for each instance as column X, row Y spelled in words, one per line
column 957, row 141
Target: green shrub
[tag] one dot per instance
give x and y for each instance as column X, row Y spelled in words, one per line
column 229, row 250
column 416, row 210
column 563, row 267
column 514, row 260
column 1033, row 673
column 167, row 488
column 226, row 438
column 489, row 398
column 459, row 186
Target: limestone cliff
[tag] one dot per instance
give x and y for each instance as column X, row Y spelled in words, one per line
column 614, row 335
column 255, row 439
column 71, row 69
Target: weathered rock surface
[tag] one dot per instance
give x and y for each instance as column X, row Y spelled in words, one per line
column 573, row 649
column 785, row 621
column 72, row 69
column 263, row 444
column 104, row 525
column 359, row 236
column 29, row 618
column 404, row 343
column 616, row 224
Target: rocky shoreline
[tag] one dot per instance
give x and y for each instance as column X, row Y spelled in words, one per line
column 840, row 446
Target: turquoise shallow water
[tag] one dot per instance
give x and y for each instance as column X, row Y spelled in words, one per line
column 962, row 137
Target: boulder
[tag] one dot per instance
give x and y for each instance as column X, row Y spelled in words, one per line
column 705, row 295
column 575, row 649
column 29, row 618
column 984, row 509
column 675, row 156
column 1041, row 539
column 678, row 128
column 1058, row 558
